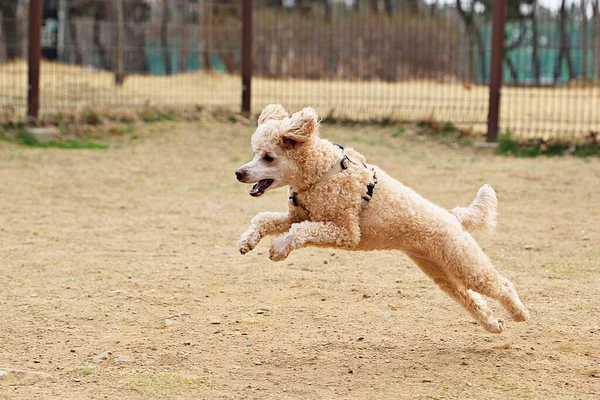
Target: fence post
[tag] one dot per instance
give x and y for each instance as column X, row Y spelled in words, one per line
column 498, row 26
column 33, row 59
column 246, row 56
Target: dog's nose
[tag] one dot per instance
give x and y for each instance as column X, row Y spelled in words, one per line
column 240, row 174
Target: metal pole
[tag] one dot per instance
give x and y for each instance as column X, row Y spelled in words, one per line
column 498, row 25
column 246, row 56
column 34, row 57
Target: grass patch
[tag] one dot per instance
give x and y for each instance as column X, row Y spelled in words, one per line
column 162, row 384
column 83, row 370
column 28, row 139
column 508, row 145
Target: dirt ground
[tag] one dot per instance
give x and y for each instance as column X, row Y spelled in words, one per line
column 132, row 250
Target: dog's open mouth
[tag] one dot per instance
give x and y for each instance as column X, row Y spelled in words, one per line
column 260, row 187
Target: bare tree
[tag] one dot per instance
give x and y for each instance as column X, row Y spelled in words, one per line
column 534, row 44
column 584, row 39
column 120, row 43
column 10, row 29
column 184, row 37
column 596, row 39
column 565, row 50
column 474, row 35
column 164, row 35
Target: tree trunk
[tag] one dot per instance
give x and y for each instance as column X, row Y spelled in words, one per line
column 513, row 71
column 184, row 38
column 374, row 6
column 74, row 44
column 534, row 52
column 584, row 39
column 206, row 25
column 138, row 13
column 596, row 40
column 164, row 36
column 565, row 50
column 119, row 44
column 99, row 15
column 328, row 12
column 10, row 29
column 480, row 52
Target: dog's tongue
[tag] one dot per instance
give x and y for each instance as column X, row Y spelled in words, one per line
column 260, row 187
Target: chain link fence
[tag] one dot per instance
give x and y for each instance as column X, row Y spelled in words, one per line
column 357, row 59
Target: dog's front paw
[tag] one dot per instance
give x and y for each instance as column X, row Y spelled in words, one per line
column 281, row 248
column 248, row 241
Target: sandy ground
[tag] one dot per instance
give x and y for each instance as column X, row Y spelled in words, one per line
column 567, row 113
column 132, row 250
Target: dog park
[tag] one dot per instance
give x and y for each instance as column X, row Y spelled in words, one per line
column 120, row 237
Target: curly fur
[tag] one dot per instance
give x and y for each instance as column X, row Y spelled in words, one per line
column 333, row 213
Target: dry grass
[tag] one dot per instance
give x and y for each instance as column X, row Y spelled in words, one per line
column 566, row 112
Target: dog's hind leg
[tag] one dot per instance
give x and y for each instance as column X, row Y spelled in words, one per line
column 504, row 291
column 471, row 266
column 468, row 299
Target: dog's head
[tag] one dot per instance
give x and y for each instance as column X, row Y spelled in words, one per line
column 277, row 147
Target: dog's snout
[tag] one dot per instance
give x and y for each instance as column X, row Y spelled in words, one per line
column 240, row 174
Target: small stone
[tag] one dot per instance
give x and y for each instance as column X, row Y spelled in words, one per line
column 77, row 380
column 469, row 384
column 325, row 262
column 350, row 371
column 101, row 357
column 387, row 361
column 123, row 358
column 585, row 238
column 44, row 134
column 260, row 311
column 366, row 295
column 187, row 343
column 257, row 363
column 115, row 293
column 594, row 329
column 12, row 377
column 528, row 247
column 215, row 322
column 360, row 339
column 426, row 381
column 464, row 363
column 168, row 322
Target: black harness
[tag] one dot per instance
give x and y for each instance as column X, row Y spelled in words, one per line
column 344, row 164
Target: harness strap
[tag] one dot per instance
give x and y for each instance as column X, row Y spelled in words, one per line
column 342, row 165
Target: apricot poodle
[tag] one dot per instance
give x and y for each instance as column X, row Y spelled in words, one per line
column 337, row 199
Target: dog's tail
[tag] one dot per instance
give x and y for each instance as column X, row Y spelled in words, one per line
column 482, row 213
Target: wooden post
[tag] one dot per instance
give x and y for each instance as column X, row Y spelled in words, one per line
column 34, row 59
column 246, row 56
column 498, row 27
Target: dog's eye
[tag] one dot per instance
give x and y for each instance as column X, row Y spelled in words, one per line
column 268, row 158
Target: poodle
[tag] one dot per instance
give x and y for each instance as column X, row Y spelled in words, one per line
column 338, row 200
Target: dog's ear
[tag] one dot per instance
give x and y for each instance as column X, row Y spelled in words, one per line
column 272, row 111
column 301, row 126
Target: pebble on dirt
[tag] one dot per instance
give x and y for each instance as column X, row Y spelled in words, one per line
column 102, row 356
